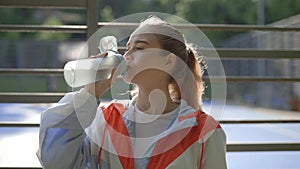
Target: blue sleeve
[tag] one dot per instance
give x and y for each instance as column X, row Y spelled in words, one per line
column 63, row 142
column 65, row 148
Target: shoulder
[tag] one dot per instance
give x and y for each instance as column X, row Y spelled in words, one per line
column 202, row 118
column 203, row 123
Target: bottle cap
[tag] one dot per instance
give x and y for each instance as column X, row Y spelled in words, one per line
column 108, row 43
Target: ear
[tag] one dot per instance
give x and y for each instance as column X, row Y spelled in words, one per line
column 170, row 61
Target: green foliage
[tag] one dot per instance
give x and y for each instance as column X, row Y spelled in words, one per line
column 52, row 20
column 279, row 9
column 11, row 16
column 30, row 84
column 195, row 11
column 107, row 14
column 217, row 11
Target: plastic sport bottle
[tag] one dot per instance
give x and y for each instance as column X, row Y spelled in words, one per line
column 84, row 71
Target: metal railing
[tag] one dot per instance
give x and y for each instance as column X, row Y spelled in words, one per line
column 92, row 25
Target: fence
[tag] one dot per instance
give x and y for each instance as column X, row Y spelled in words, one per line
column 92, row 25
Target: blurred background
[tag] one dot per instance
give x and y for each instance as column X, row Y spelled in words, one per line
column 261, row 62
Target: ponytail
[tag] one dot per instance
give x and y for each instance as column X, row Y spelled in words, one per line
column 192, row 89
column 190, row 86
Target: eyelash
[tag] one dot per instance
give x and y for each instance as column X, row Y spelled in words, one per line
column 136, row 48
column 139, row 48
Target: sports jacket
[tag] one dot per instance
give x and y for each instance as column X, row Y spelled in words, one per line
column 76, row 133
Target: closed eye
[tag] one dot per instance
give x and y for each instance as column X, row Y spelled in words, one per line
column 138, row 45
column 139, row 48
column 134, row 49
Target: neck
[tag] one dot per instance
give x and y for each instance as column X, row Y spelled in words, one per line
column 155, row 100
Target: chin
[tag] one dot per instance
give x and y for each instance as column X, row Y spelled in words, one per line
column 129, row 79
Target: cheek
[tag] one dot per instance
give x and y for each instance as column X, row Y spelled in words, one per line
column 141, row 66
column 148, row 60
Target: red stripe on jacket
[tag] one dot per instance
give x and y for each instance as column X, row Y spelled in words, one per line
column 192, row 134
column 119, row 134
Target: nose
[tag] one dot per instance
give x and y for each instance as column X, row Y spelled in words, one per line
column 127, row 56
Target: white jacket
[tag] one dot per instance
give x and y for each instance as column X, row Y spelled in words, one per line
column 73, row 130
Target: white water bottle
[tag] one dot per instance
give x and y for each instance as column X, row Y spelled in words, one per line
column 85, row 71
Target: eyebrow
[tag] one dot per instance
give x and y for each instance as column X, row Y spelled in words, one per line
column 139, row 41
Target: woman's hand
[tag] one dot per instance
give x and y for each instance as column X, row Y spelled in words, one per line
column 98, row 88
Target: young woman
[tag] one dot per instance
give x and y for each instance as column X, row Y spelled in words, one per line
column 162, row 127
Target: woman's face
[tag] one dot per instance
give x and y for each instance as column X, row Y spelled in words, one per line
column 145, row 60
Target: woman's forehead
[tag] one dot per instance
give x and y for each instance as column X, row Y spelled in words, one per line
column 148, row 39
